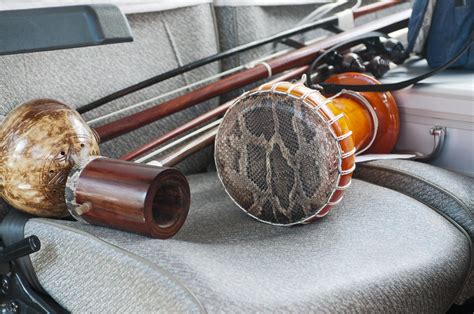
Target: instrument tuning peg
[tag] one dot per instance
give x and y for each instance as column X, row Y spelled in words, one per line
column 323, row 73
column 333, row 58
column 378, row 66
column 395, row 50
column 374, row 43
column 352, row 62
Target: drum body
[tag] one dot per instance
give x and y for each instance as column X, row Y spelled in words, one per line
column 40, row 141
column 383, row 105
column 284, row 154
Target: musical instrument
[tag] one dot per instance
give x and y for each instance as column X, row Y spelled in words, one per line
column 283, row 36
column 148, row 200
column 296, row 58
column 39, row 143
column 50, row 167
column 379, row 51
column 285, row 153
column 218, row 111
column 33, row 177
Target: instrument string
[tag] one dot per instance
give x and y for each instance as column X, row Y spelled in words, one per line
column 251, row 64
column 319, row 13
column 178, row 141
column 190, row 135
column 186, row 87
column 306, row 22
column 323, row 11
column 207, row 60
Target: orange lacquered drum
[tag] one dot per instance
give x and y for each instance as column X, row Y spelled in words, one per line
column 383, row 104
column 285, row 153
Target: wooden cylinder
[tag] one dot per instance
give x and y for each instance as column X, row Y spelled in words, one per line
column 360, row 122
column 148, row 200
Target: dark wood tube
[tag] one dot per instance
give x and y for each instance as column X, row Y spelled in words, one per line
column 188, row 149
column 148, row 200
column 200, row 120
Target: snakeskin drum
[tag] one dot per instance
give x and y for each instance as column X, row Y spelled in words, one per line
column 282, row 154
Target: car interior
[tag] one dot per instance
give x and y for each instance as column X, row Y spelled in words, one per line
column 198, row 168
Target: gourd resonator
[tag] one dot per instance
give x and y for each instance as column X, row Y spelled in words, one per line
column 50, row 167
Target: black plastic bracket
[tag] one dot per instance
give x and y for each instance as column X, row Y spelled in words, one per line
column 20, row 290
column 65, row 27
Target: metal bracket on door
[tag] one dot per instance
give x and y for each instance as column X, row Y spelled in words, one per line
column 439, row 137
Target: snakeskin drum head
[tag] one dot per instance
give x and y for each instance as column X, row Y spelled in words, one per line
column 277, row 157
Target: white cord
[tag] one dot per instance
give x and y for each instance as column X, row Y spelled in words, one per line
column 178, row 141
column 357, row 5
column 320, row 12
column 143, row 103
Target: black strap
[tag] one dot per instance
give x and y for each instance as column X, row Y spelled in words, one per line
column 335, row 88
column 344, row 45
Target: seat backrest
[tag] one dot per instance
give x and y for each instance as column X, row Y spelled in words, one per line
column 163, row 40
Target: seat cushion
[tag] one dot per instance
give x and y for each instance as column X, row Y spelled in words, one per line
column 450, row 193
column 379, row 250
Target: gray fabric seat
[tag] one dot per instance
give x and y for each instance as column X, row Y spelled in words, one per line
column 379, row 250
column 450, row 193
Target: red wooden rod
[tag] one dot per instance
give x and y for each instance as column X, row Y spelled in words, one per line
column 220, row 110
column 293, row 59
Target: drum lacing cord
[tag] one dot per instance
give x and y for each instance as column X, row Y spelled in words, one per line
column 348, row 171
column 329, row 123
column 344, row 187
column 335, row 202
column 348, row 154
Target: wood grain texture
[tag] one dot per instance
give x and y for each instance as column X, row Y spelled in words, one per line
column 148, row 200
column 188, row 149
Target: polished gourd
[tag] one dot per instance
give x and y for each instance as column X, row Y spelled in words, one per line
column 40, row 141
column 50, row 167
